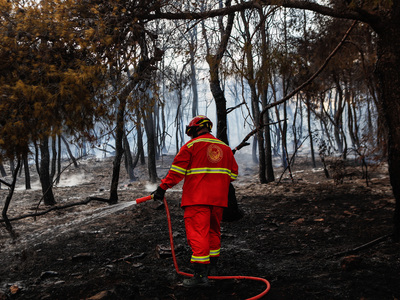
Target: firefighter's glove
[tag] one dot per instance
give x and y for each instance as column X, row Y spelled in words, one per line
column 158, row 194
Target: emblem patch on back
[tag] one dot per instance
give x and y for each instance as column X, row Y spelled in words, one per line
column 214, row 153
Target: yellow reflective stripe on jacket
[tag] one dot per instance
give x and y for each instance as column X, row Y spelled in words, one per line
column 214, row 141
column 178, row 169
column 195, row 171
column 215, row 252
column 200, row 258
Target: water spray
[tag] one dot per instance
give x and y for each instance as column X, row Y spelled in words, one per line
column 268, row 286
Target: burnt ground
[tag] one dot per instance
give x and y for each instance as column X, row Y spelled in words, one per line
column 298, row 235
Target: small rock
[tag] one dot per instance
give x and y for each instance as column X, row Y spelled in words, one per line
column 48, row 274
column 83, row 256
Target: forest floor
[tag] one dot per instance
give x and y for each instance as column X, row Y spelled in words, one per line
column 302, row 235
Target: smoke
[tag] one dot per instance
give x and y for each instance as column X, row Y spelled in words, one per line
column 150, row 187
column 74, row 180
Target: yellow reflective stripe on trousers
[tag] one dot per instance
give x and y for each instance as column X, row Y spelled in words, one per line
column 201, row 259
column 214, row 141
column 215, row 252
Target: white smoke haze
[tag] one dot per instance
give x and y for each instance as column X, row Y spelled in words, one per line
column 73, row 180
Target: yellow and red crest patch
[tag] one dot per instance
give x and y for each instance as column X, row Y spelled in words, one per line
column 214, row 153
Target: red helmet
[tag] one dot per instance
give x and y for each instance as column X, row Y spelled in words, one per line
column 197, row 123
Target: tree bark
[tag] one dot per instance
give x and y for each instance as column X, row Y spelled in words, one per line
column 53, row 158
column 44, row 173
column 214, row 62
column 27, row 174
column 2, row 170
column 128, row 158
column 193, row 77
column 387, row 71
column 8, row 200
column 119, row 133
column 151, row 148
column 310, row 135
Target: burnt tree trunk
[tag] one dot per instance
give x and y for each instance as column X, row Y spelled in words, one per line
column 44, row 173
column 214, row 62
column 310, row 135
column 388, row 75
column 151, row 147
column 27, row 174
column 119, row 133
column 2, row 170
column 53, row 157
column 8, row 200
column 128, row 159
column 254, row 102
column 140, row 154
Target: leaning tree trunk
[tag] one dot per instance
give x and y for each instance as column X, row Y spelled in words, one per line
column 387, row 71
column 8, row 200
column 69, row 152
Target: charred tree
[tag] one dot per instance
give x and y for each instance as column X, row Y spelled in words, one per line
column 44, row 173
column 27, row 173
column 8, row 200
column 214, row 63
column 2, row 170
column 128, row 158
column 151, row 147
column 119, row 133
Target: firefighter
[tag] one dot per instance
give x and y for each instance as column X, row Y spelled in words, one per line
column 208, row 167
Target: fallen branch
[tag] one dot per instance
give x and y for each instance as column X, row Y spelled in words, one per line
column 36, row 214
column 6, row 183
column 130, row 257
column 362, row 247
column 291, row 161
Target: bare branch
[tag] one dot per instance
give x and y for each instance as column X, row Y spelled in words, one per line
column 352, row 14
column 298, row 89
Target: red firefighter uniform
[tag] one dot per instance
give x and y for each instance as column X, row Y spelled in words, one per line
column 208, row 166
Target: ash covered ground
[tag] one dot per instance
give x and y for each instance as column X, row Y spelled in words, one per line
column 302, row 235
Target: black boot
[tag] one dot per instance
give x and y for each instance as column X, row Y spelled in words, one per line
column 212, row 267
column 199, row 278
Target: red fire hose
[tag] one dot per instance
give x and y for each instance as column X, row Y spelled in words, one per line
column 140, row 200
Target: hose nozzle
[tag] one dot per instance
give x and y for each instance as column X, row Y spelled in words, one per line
column 143, row 199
